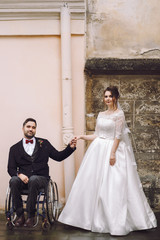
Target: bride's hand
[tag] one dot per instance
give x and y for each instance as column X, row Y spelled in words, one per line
column 112, row 159
column 79, row 137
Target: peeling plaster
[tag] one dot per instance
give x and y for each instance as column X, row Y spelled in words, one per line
column 152, row 52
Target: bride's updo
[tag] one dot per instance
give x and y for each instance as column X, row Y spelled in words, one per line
column 115, row 93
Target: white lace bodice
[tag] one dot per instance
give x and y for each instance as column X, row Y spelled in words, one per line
column 110, row 125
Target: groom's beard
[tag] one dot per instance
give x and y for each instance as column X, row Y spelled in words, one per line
column 29, row 135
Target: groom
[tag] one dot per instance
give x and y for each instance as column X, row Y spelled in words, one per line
column 28, row 168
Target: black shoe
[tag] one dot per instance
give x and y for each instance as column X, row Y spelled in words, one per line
column 20, row 221
column 29, row 223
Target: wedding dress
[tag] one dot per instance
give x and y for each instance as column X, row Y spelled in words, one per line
column 105, row 198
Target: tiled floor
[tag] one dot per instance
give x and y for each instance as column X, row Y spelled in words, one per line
column 63, row 232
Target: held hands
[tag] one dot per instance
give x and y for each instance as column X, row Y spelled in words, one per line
column 73, row 142
column 23, row 177
column 112, row 159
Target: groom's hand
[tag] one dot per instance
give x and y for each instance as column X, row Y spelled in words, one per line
column 23, row 177
column 73, row 142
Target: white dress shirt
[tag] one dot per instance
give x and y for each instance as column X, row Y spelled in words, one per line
column 29, row 147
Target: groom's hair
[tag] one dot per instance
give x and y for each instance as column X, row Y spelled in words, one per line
column 29, row 120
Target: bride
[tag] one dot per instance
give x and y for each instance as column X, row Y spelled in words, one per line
column 107, row 194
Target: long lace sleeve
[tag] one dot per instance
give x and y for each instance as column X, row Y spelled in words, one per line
column 120, row 121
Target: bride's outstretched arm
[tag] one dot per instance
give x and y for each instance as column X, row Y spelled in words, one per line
column 87, row 137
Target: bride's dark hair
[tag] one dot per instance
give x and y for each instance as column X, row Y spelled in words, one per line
column 115, row 93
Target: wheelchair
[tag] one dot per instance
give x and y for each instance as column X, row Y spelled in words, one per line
column 46, row 206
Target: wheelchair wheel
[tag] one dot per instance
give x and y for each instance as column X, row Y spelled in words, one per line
column 45, row 225
column 52, row 201
column 56, row 210
column 9, row 209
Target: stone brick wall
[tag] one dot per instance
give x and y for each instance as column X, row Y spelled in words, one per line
column 123, row 49
column 140, row 100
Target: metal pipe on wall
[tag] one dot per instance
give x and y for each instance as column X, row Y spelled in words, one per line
column 67, row 129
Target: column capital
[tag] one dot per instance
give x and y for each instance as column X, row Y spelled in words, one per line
column 38, row 9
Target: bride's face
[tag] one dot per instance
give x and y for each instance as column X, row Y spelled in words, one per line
column 108, row 99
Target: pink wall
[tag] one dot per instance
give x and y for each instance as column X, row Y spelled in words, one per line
column 31, row 87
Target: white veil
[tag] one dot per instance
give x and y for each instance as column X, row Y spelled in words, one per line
column 126, row 139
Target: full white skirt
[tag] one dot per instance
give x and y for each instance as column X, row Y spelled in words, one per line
column 107, row 199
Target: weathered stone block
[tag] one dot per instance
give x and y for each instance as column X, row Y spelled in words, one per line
column 145, row 156
column 127, row 106
column 139, row 87
column 89, row 106
column 147, row 121
column 149, row 167
column 147, row 107
column 147, row 140
column 151, row 187
column 89, row 86
column 120, row 66
column 90, row 122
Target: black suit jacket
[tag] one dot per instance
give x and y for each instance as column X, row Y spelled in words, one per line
column 37, row 164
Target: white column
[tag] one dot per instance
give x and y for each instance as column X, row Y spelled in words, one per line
column 67, row 130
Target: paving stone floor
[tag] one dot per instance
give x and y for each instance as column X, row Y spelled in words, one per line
column 64, row 232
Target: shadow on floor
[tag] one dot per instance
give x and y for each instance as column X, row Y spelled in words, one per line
column 63, row 232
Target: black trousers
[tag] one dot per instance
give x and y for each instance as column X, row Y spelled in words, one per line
column 34, row 185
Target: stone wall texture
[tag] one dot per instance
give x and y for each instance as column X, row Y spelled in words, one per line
column 140, row 100
column 123, row 49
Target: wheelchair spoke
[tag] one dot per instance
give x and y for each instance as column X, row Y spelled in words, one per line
column 51, row 201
